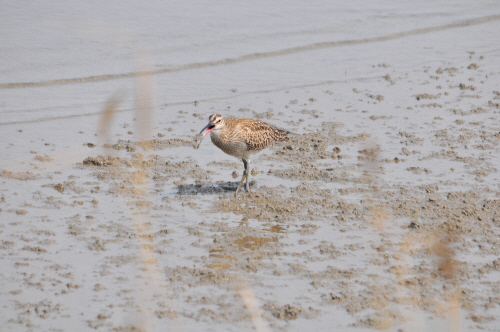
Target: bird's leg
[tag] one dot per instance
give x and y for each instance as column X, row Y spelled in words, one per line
column 245, row 175
column 248, row 174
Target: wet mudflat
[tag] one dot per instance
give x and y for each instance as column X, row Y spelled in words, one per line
column 382, row 210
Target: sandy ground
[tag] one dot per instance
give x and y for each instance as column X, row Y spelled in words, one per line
column 382, row 211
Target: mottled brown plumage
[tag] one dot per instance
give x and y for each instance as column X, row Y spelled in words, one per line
column 241, row 138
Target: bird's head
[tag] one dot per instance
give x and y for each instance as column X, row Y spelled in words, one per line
column 215, row 122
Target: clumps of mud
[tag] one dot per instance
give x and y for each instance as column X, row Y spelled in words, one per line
column 23, row 176
column 463, row 86
column 66, row 186
column 43, row 309
column 286, row 312
column 37, row 250
column 382, row 320
column 138, row 169
column 308, row 171
column 154, row 144
column 442, row 226
column 6, row 244
column 186, row 170
column 101, row 161
column 460, row 213
column 271, row 205
column 97, row 245
column 310, row 147
column 428, row 96
column 59, row 187
column 376, row 97
column 197, row 276
column 43, row 159
column 452, row 71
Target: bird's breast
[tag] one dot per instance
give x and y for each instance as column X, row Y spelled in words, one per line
column 231, row 144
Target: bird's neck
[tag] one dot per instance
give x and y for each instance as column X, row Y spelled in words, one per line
column 215, row 133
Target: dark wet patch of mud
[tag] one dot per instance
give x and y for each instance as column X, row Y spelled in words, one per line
column 210, row 189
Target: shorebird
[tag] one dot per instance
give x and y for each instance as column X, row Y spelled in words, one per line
column 241, row 138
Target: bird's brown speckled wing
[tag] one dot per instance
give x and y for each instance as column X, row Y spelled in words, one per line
column 258, row 135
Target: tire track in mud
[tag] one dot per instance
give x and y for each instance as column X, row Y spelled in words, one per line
column 252, row 56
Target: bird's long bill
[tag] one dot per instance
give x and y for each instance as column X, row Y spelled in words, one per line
column 208, row 128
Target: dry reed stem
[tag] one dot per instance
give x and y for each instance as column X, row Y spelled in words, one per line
column 447, row 268
column 107, row 115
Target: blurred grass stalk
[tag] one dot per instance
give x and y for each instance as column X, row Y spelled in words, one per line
column 145, row 110
column 252, row 306
column 380, row 216
column 447, row 269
